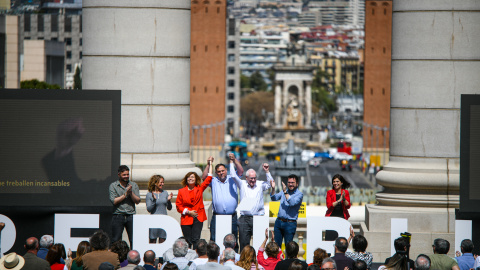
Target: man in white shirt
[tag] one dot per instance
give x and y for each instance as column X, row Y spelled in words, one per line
column 251, row 190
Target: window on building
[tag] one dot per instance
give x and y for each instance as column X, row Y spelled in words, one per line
column 69, row 68
column 68, row 41
column 194, row 89
column 194, row 48
column 80, row 55
column 231, row 96
column 40, row 23
column 231, row 44
column 81, row 28
column 231, row 83
column 218, row 48
column 231, row 70
column 373, row 11
column 54, row 22
column 371, row 91
column 206, row 9
column 218, row 10
column 231, row 57
column 231, row 108
column 231, row 27
column 26, row 22
column 206, row 48
column 69, row 55
column 81, row 42
column 383, row 91
column 68, row 24
column 216, row 89
column 384, row 11
column 205, row 89
column 384, row 50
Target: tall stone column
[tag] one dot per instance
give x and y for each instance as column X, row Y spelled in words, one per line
column 435, row 57
column 278, row 103
column 308, row 104
column 142, row 47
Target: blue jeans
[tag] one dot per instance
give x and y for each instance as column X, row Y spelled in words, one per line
column 118, row 223
column 234, row 228
column 284, row 230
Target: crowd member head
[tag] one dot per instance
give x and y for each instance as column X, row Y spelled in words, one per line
column 229, row 241
column 292, row 250
column 329, row 264
column 121, row 248
column 341, row 245
column 156, row 182
column 318, row 256
column 221, row 171
column 423, row 262
column 359, row 265
column 123, row 173
column 106, row 266
column 54, row 254
column 31, row 245
column 201, row 248
column 180, row 248
column 292, row 182
column 338, row 182
column 46, row 241
column 399, row 261
column 100, row 241
column 441, row 246
column 191, row 180
column 272, row 249
column 251, row 177
column 133, row 257
column 61, row 247
column 82, row 249
column 229, row 254
column 12, row 261
column 466, row 246
column 149, row 257
column 247, row 257
column 401, row 244
column 359, row 243
column 295, row 265
column 170, row 266
column 213, row 251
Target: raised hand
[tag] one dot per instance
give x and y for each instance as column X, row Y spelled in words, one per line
column 265, row 167
column 153, row 195
column 231, row 156
column 170, row 196
column 266, row 233
column 284, row 187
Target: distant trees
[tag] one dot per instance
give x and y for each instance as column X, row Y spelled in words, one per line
column 77, row 79
column 255, row 81
column 36, row 84
column 254, row 109
column 321, row 97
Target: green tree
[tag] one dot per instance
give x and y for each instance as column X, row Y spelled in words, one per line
column 77, row 79
column 244, row 81
column 321, row 97
column 36, row 84
column 257, row 82
column 254, row 109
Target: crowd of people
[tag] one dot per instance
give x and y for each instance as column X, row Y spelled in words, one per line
column 100, row 253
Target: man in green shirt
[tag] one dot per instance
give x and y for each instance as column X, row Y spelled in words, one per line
column 440, row 259
column 124, row 194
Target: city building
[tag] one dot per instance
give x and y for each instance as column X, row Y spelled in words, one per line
column 378, row 46
column 9, row 51
column 208, row 70
column 43, row 60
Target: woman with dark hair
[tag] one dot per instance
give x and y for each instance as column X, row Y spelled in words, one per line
column 360, row 245
column 121, row 248
column 248, row 259
column 338, row 198
column 170, row 266
column 399, row 261
column 53, row 257
column 158, row 202
column 295, row 265
column 190, row 205
column 82, row 249
column 318, row 256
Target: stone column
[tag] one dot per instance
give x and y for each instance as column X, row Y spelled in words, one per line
column 143, row 48
column 278, row 103
column 435, row 57
column 308, row 104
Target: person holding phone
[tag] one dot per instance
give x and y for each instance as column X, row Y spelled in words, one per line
column 338, row 198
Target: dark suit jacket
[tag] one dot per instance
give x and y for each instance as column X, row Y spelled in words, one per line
column 193, row 200
column 32, row 262
column 92, row 260
column 285, row 264
column 342, row 261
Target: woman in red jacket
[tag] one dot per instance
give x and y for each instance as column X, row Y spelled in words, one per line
column 190, row 204
column 338, row 199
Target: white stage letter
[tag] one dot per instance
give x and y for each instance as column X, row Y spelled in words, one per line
column 65, row 222
column 9, row 234
column 397, row 226
column 223, row 226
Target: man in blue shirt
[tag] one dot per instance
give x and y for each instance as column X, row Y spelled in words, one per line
column 224, row 193
column 290, row 201
column 466, row 261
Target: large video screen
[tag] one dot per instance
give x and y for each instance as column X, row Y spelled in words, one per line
column 59, row 148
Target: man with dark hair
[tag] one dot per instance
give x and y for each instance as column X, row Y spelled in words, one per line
column 201, row 252
column 180, row 250
column 32, row 262
column 359, row 265
column 440, row 260
column 401, row 245
column 213, row 251
column 291, row 250
column 290, row 202
column 342, row 261
column 124, row 194
column 466, row 261
column 99, row 242
column 133, row 258
column 149, row 260
column 224, row 193
column 423, row 262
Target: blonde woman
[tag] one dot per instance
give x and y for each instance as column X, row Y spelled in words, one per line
column 158, row 202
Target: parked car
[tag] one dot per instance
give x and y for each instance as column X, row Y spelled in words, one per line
column 323, row 155
column 342, row 156
column 315, row 162
column 345, row 165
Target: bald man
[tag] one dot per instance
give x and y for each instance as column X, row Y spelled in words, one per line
column 149, row 260
column 133, row 258
column 32, row 262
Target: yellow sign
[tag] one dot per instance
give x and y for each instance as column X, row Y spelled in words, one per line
column 274, row 206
